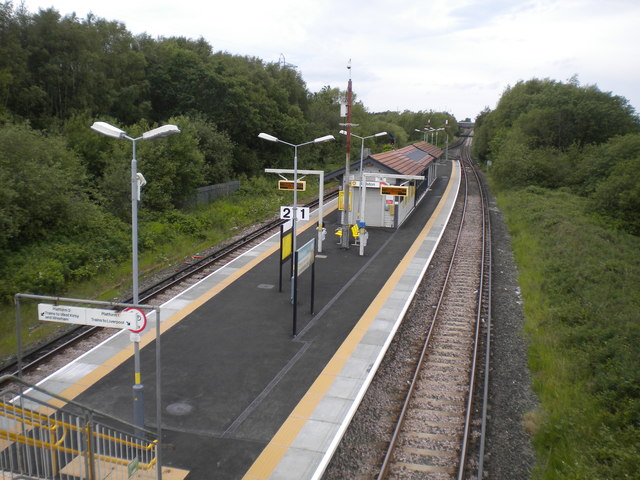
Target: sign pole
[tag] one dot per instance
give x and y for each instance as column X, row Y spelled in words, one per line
column 128, row 316
column 280, row 259
column 158, row 398
column 313, row 284
column 320, row 210
column 295, row 297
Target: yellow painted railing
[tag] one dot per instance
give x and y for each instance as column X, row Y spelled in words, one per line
column 41, row 441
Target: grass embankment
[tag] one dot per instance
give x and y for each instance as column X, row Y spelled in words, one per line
column 162, row 243
column 580, row 280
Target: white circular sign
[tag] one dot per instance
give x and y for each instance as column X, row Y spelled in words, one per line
column 141, row 320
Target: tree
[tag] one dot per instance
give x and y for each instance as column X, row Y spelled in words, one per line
column 323, row 113
column 43, row 187
column 617, row 195
column 55, row 66
column 173, row 168
column 177, row 74
column 217, row 149
column 553, row 114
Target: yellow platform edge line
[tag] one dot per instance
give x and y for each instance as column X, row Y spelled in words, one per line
column 276, row 449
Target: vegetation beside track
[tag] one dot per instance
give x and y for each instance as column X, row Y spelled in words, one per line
column 571, row 204
column 580, row 283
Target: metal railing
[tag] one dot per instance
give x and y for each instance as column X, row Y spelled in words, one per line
column 44, row 436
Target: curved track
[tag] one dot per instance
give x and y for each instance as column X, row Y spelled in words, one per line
column 432, row 435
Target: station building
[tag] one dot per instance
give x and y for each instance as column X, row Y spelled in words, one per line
column 387, row 169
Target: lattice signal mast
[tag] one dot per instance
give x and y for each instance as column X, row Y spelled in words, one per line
column 344, row 238
column 284, row 64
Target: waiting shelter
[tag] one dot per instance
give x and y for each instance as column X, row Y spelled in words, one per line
column 390, row 209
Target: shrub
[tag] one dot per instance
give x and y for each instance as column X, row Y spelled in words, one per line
column 618, row 195
column 580, row 283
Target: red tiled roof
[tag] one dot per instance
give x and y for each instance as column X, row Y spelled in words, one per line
column 429, row 148
column 410, row 160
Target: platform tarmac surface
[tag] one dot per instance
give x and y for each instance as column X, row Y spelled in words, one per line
column 232, row 372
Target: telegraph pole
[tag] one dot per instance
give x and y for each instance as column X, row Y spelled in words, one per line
column 346, row 182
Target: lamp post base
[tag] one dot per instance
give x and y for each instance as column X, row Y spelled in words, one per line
column 138, row 408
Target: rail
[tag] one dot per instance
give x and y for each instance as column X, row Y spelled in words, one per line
column 438, row 459
column 483, row 313
column 485, row 318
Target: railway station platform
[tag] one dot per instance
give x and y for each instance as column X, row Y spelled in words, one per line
column 243, row 398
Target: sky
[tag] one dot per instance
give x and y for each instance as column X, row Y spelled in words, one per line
column 457, row 56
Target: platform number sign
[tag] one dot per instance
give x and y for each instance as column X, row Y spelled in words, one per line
column 286, row 213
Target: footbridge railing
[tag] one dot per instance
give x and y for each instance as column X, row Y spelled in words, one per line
column 45, row 436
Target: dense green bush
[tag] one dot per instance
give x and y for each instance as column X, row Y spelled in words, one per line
column 44, row 187
column 601, row 173
column 618, row 194
column 50, row 266
column 515, row 165
column 581, row 289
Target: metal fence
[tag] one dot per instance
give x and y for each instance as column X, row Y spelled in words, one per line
column 209, row 193
column 39, row 439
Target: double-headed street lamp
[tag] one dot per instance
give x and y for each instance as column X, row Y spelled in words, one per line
column 362, row 189
column 271, row 138
column 431, row 131
column 137, row 181
column 426, row 132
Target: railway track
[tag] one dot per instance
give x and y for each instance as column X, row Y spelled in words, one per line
column 82, row 337
column 441, row 422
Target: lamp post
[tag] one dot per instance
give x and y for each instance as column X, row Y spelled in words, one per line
column 271, row 138
column 446, row 150
column 362, row 189
column 426, row 132
column 137, row 181
column 436, row 130
column 423, row 132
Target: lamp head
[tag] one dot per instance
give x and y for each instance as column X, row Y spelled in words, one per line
column 326, row 138
column 107, row 129
column 266, row 136
column 161, row 132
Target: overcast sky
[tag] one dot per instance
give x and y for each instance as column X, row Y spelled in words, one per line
column 453, row 55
